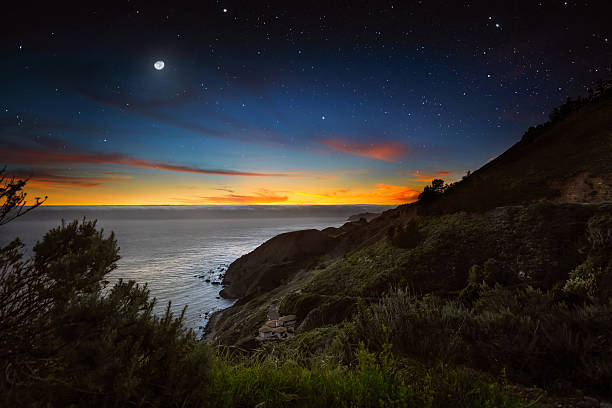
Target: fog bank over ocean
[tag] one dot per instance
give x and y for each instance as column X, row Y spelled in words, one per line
column 176, row 249
column 201, row 211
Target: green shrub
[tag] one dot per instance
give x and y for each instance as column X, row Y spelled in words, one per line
column 405, row 236
column 582, row 281
column 88, row 346
column 593, row 278
column 538, row 340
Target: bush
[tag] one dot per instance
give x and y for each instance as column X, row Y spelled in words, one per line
column 593, row 278
column 538, row 340
column 76, row 343
column 405, row 236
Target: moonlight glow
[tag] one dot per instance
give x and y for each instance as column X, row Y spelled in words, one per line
column 159, row 65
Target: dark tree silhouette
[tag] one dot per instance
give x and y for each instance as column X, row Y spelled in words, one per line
column 64, row 341
column 13, row 198
column 436, row 189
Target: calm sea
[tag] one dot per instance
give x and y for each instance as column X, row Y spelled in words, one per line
column 176, row 249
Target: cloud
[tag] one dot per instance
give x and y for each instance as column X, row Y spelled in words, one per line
column 342, row 192
column 397, row 194
column 379, row 193
column 422, row 176
column 152, row 108
column 390, row 151
column 261, row 197
column 39, row 157
column 429, row 176
column 46, row 179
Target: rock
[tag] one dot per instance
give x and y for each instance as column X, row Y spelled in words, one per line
column 363, row 217
column 225, row 295
column 275, row 261
column 587, row 402
column 207, row 281
column 216, row 283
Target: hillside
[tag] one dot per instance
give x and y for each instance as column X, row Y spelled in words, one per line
column 538, row 217
column 564, row 161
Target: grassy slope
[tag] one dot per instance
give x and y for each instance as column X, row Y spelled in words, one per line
column 535, row 167
column 376, row 381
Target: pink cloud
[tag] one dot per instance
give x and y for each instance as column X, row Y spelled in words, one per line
column 390, row 151
column 34, row 156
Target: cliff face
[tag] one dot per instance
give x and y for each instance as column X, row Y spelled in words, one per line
column 279, row 259
column 526, row 212
column 275, row 262
column 585, row 188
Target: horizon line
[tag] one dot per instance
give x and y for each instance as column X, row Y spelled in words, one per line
column 212, row 205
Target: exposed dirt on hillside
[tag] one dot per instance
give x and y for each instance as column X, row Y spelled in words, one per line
column 585, row 188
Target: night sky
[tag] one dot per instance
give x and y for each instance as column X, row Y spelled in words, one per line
column 281, row 102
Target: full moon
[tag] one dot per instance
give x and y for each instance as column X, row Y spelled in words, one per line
column 159, row 65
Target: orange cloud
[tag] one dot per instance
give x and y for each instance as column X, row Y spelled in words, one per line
column 46, row 157
column 396, row 194
column 428, row 177
column 390, row 151
column 382, row 194
column 422, row 177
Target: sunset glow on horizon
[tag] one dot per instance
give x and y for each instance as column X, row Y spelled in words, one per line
column 150, row 188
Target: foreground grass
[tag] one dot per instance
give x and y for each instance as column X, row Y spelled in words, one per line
column 375, row 381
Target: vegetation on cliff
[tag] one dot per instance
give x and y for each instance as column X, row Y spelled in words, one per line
column 506, row 271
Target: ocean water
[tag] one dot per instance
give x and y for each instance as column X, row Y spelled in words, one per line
column 175, row 249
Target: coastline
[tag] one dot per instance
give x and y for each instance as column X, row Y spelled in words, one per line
column 209, row 329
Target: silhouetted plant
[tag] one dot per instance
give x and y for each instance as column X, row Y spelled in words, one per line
column 13, row 199
column 430, row 192
column 65, row 341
